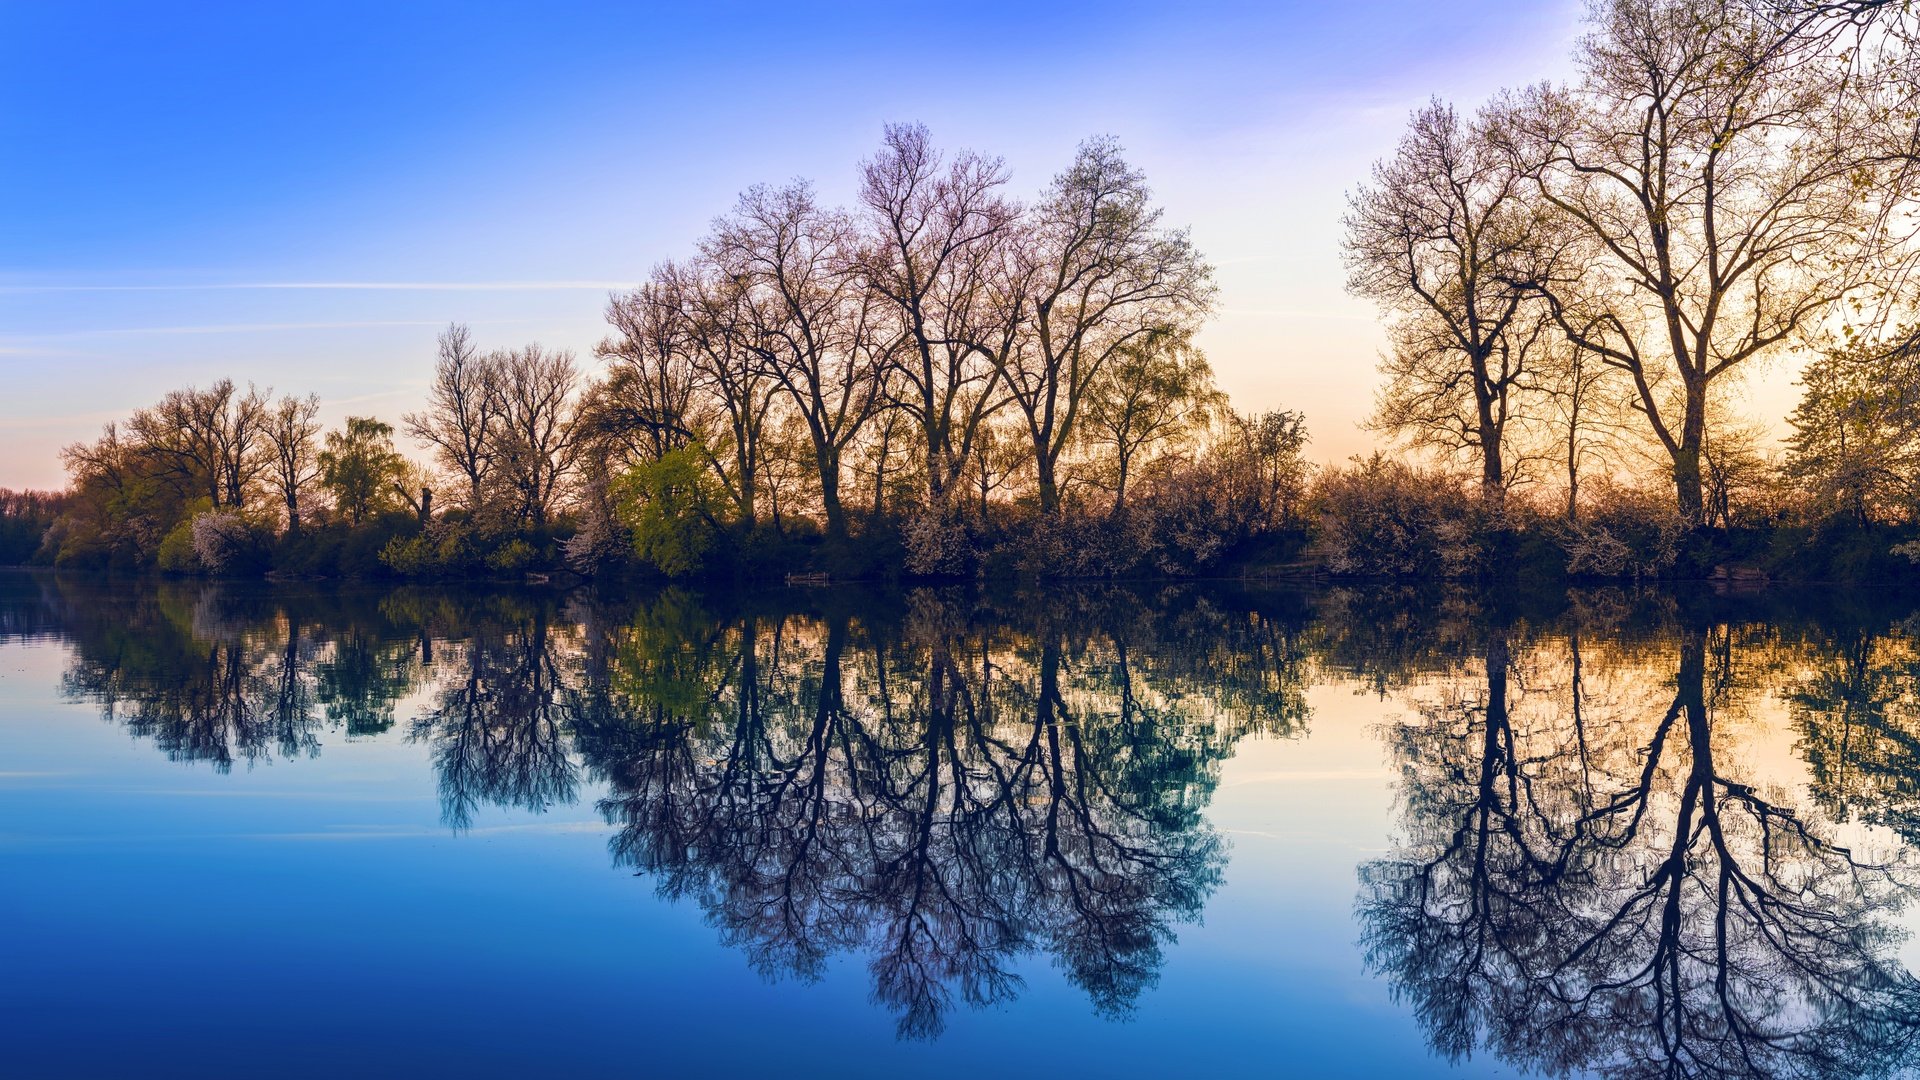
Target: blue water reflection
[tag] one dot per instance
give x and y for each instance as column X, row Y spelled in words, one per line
column 1087, row 832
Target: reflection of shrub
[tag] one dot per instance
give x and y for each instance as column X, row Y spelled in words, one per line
column 1384, row 517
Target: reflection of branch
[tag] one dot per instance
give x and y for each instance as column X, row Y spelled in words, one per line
column 1686, row 926
column 918, row 819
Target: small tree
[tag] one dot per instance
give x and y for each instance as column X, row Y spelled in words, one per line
column 1856, row 440
column 361, row 469
column 667, row 507
column 1154, row 391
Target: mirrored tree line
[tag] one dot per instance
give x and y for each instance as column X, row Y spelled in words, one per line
column 932, row 786
column 1599, row 865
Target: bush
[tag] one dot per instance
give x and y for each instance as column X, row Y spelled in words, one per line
column 225, row 542
column 600, row 545
column 1382, row 517
column 512, row 557
column 176, row 555
column 938, row 542
column 1624, row 532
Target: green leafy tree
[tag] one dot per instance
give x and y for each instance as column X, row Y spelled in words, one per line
column 361, row 468
column 1856, row 434
column 667, row 506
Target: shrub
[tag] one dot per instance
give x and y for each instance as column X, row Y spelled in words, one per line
column 1382, row 517
column 600, row 545
column 1624, row 532
column 937, row 542
column 176, row 554
column 512, row 557
column 225, row 542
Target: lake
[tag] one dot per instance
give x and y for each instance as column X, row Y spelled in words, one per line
column 1209, row 830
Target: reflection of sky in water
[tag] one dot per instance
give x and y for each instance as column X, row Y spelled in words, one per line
column 315, row 915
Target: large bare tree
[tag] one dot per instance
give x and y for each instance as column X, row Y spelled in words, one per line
column 1447, row 240
column 718, row 319
column 810, row 323
column 537, row 444
column 646, row 406
column 462, row 421
column 1728, row 183
column 292, row 453
column 206, row 439
column 937, row 236
column 1101, row 272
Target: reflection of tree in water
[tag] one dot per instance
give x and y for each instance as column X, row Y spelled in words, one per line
column 218, row 675
column 943, row 799
column 943, row 787
column 204, row 681
column 1587, row 885
column 1857, row 712
column 498, row 728
column 363, row 675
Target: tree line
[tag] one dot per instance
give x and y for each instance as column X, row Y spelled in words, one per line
column 1576, row 277
column 943, row 379
column 936, row 378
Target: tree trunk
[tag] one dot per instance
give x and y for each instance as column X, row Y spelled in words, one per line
column 1043, row 464
column 829, row 461
column 1493, row 472
column 1687, row 487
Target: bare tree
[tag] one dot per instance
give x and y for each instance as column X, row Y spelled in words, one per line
column 716, row 310
column 645, row 408
column 1727, row 184
column 1102, row 272
column 537, row 444
column 205, row 439
column 462, row 417
column 291, row 453
column 1582, row 415
column 1446, row 240
column 937, row 251
column 812, row 326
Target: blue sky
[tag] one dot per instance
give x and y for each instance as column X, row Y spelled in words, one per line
column 301, row 195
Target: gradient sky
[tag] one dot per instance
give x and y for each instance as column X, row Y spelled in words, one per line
column 302, row 195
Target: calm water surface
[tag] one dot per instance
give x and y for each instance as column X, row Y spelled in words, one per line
column 1096, row 832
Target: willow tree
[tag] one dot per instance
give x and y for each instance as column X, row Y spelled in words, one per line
column 1727, row 181
column 361, row 470
column 1447, row 242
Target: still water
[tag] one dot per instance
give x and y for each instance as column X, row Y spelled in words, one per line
column 1089, row 832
